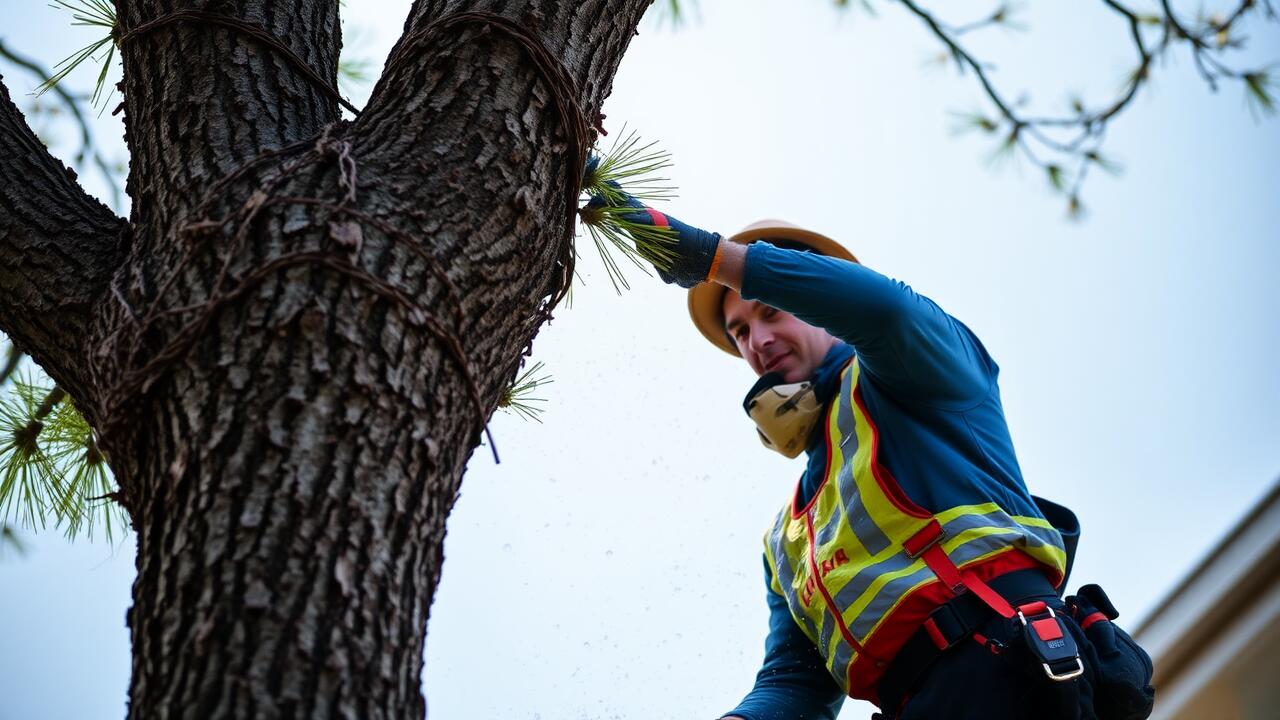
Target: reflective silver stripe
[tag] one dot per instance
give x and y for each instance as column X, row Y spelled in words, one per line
column 844, row 416
column 860, row 521
column 892, row 591
column 779, row 523
column 969, row 521
column 824, row 637
column 854, row 589
column 979, row 546
column 786, row 576
column 991, row 542
column 889, row 594
column 828, row 531
column 1038, row 536
column 1033, row 536
column 839, row 667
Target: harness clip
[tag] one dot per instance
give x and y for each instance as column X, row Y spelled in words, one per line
column 1050, row 641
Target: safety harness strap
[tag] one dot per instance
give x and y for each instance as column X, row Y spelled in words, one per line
column 956, row 620
column 1044, row 633
column 952, row 623
column 927, row 545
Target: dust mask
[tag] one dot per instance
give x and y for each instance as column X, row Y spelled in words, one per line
column 784, row 414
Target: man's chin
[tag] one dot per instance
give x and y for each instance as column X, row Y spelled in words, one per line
column 791, row 372
column 791, row 369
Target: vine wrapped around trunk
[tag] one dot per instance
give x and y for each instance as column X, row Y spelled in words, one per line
column 291, row 348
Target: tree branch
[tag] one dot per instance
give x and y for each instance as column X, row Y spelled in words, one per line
column 58, row 250
column 203, row 98
column 87, row 146
column 568, row 57
column 1085, row 129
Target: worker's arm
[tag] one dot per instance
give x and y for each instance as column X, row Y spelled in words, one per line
column 903, row 339
column 793, row 682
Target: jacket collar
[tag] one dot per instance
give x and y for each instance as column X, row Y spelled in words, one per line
column 826, row 381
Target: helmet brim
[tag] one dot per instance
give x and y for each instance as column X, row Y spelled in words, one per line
column 707, row 299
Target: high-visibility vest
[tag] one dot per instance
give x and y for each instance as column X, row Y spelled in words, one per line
column 841, row 564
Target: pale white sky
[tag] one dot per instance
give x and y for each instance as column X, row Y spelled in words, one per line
column 610, row 566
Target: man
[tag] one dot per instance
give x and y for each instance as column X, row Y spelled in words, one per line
column 911, row 567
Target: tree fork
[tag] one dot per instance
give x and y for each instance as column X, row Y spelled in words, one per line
column 287, row 415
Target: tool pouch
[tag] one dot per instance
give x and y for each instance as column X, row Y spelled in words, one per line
column 1123, row 690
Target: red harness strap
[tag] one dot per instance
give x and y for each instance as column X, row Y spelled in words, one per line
column 927, row 545
column 1091, row 619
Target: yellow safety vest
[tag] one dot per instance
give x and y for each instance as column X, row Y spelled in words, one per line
column 840, row 562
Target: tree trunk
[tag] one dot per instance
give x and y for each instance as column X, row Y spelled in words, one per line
column 292, row 347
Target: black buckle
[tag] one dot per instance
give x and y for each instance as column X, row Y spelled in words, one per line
column 1050, row 641
column 949, row 623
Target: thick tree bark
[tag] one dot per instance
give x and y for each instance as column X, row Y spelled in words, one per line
column 281, row 360
column 58, row 249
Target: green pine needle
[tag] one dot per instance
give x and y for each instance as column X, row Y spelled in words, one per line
column 518, row 399
column 29, row 483
column 86, row 480
column 1075, row 209
column 1109, row 166
column 354, row 71
column 864, row 4
column 966, row 122
column 1055, row 176
column 1004, row 16
column 92, row 13
column 51, row 467
column 1005, row 152
column 638, row 242
column 628, row 168
column 672, row 12
column 1260, row 87
column 634, row 167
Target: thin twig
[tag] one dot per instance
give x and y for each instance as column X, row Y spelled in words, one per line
column 1082, row 147
column 11, row 362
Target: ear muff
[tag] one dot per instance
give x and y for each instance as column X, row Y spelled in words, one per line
column 784, row 414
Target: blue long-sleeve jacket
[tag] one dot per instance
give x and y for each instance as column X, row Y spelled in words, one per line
column 931, row 388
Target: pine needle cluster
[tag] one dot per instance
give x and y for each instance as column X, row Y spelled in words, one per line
column 50, row 465
column 92, row 13
column 627, row 172
column 102, row 14
column 518, row 399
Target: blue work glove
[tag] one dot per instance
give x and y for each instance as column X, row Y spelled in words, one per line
column 694, row 249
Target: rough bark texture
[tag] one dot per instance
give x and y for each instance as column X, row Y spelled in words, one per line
column 269, row 347
column 58, row 249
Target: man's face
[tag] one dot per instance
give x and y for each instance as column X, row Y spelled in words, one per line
column 771, row 340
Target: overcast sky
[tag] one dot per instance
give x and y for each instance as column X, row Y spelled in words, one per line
column 610, row 566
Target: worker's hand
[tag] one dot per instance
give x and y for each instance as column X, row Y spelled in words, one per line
column 694, row 249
